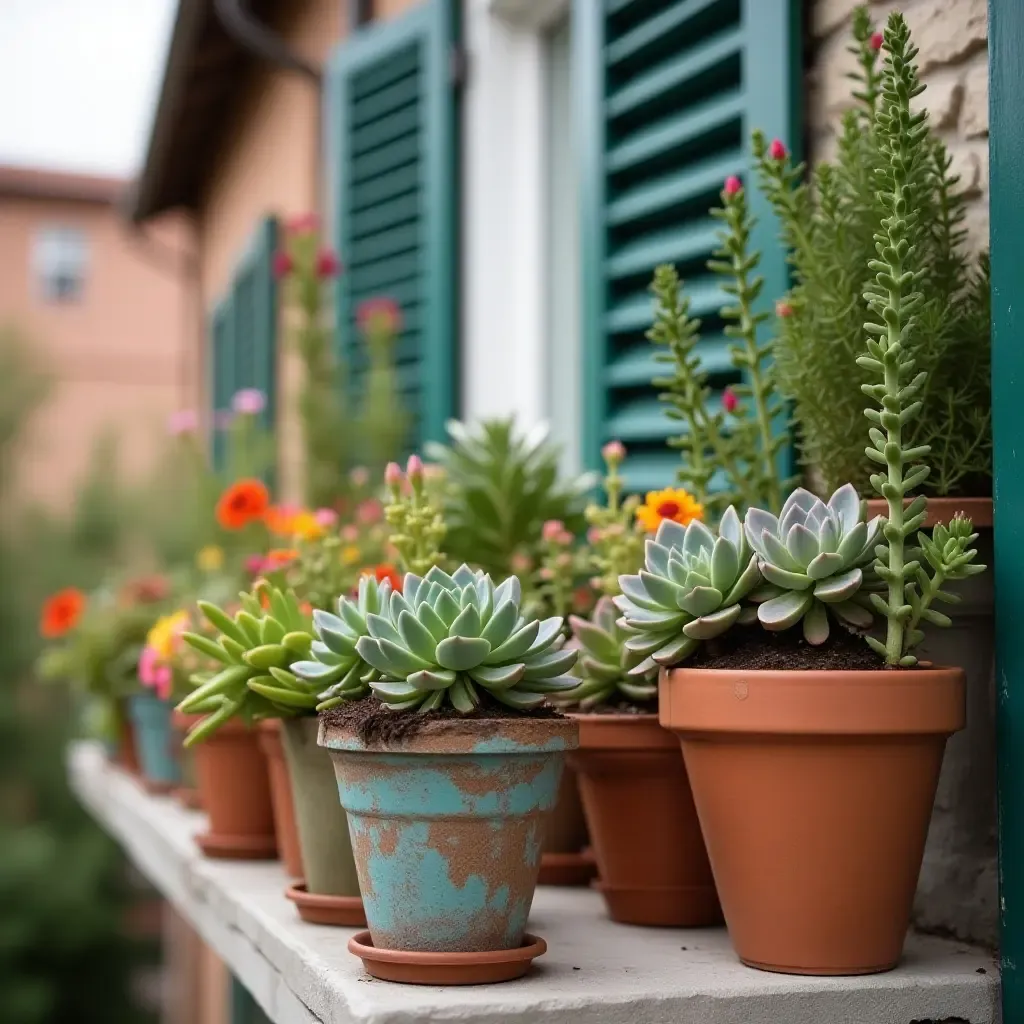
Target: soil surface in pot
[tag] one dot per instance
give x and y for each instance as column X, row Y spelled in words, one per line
column 752, row 647
column 373, row 723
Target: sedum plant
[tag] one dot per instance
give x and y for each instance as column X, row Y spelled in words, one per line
column 816, row 559
column 417, row 525
column 252, row 654
column 336, row 669
column 828, row 225
column 453, row 639
column 690, row 589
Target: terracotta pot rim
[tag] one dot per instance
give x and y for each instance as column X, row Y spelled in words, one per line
column 318, row 908
column 446, row 736
column 231, row 729
column 623, row 732
column 941, row 510
column 893, row 702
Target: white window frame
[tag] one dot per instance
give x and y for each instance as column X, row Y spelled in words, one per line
column 508, row 366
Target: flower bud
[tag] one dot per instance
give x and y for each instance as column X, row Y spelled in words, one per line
column 777, row 151
column 733, row 185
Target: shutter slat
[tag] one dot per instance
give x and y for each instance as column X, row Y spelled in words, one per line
column 654, row 30
column 646, row 419
column 395, row 126
column 389, row 99
column 387, row 186
column 638, row 366
column 389, row 243
column 403, row 152
column 655, row 470
column 371, row 219
column 378, row 75
column 672, row 246
column 637, row 313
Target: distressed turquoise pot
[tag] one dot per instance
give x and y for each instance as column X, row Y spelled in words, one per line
column 447, row 827
column 155, row 740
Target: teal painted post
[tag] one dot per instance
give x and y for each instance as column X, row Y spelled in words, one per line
column 1006, row 135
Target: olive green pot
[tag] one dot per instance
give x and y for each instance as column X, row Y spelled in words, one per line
column 323, row 826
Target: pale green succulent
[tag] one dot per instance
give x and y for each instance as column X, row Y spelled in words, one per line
column 336, row 668
column 815, row 559
column 454, row 638
column 689, row 590
column 605, row 661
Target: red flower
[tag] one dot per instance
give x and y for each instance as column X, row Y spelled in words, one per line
column 242, row 503
column 381, row 315
column 303, row 224
column 283, row 264
column 327, row 264
column 61, row 612
column 876, row 40
column 386, row 571
column 729, row 400
column 732, row 185
column 783, row 308
column 777, row 151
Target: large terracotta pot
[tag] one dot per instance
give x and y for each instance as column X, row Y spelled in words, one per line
column 651, row 859
column 814, row 791
column 234, row 787
column 565, row 859
column 446, row 827
column 281, row 797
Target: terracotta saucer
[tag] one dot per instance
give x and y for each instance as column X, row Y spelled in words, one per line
column 340, row 911
column 411, row 968
column 156, row 788
column 188, row 797
column 566, row 869
column 238, row 847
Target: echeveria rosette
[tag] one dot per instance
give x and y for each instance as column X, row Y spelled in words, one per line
column 453, row 638
column 253, row 649
column 816, row 559
column 689, row 590
column 336, row 668
column 605, row 661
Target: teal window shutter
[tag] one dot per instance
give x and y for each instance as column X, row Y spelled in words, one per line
column 243, row 333
column 391, row 117
column 667, row 93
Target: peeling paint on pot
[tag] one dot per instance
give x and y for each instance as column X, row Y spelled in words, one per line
column 447, row 828
column 156, row 743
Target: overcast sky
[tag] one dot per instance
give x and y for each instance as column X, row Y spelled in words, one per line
column 78, row 81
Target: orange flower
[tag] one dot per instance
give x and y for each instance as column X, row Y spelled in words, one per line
column 278, row 558
column 241, row 503
column 672, row 503
column 61, row 612
column 386, row 571
column 279, row 519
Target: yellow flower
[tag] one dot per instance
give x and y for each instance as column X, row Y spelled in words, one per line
column 306, row 526
column 672, row 503
column 350, row 554
column 210, row 558
column 163, row 637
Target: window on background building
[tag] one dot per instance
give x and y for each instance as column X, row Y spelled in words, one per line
column 60, row 257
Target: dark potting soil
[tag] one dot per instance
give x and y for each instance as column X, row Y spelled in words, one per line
column 623, row 707
column 374, row 724
column 755, row 648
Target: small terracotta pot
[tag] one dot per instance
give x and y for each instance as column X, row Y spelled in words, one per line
column 563, row 860
column 651, row 859
column 941, row 510
column 187, row 794
column 281, row 800
column 447, row 826
column 234, row 786
column 814, row 791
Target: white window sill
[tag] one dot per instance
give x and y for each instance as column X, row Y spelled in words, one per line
column 595, row 972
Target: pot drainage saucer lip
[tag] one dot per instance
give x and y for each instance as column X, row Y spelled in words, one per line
column 427, row 968
column 316, row 908
column 225, row 847
column 567, row 868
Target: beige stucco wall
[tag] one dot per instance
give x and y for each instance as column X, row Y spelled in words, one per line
column 123, row 356
column 952, row 36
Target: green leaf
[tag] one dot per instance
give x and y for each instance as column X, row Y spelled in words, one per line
column 784, row 611
column 264, row 657
column 460, row 653
column 416, row 636
column 206, row 646
column 221, row 621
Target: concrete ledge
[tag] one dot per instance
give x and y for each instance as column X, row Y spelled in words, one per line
column 595, row 972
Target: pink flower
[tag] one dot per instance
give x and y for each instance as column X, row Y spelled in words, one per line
column 547, row 574
column 783, row 308
column 613, row 452
column 414, row 468
column 184, row 421
column 876, row 40
column 393, row 475
column 369, row 512
column 359, row 476
column 552, row 529
column 729, row 400
column 154, row 674
column 327, row 264
column 303, row 224
column 350, row 534
column 521, row 563
column 777, row 151
column 283, row 264
column 254, row 565
column 380, row 315
column 249, row 402
column 326, row 517
column 594, row 535
column 732, row 185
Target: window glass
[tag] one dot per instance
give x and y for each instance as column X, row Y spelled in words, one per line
column 59, row 257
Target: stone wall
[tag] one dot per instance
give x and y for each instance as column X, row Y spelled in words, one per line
column 952, row 36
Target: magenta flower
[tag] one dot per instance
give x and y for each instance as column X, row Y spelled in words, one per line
column 327, row 264
column 184, row 421
column 283, row 264
column 733, row 185
column 326, row 517
column 729, row 400
column 876, row 41
column 777, row 151
column 414, row 468
column 249, row 402
column 393, row 475
column 381, row 315
column 154, row 674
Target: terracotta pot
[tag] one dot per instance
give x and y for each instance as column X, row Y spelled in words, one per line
column 234, row 786
column 281, row 800
column 814, row 791
column 565, row 859
column 651, row 859
column 941, row 510
column 447, row 826
column 187, row 794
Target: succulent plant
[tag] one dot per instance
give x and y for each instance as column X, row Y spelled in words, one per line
column 815, row 559
column 254, row 650
column 336, row 669
column 605, row 661
column 453, row 638
column 690, row 590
